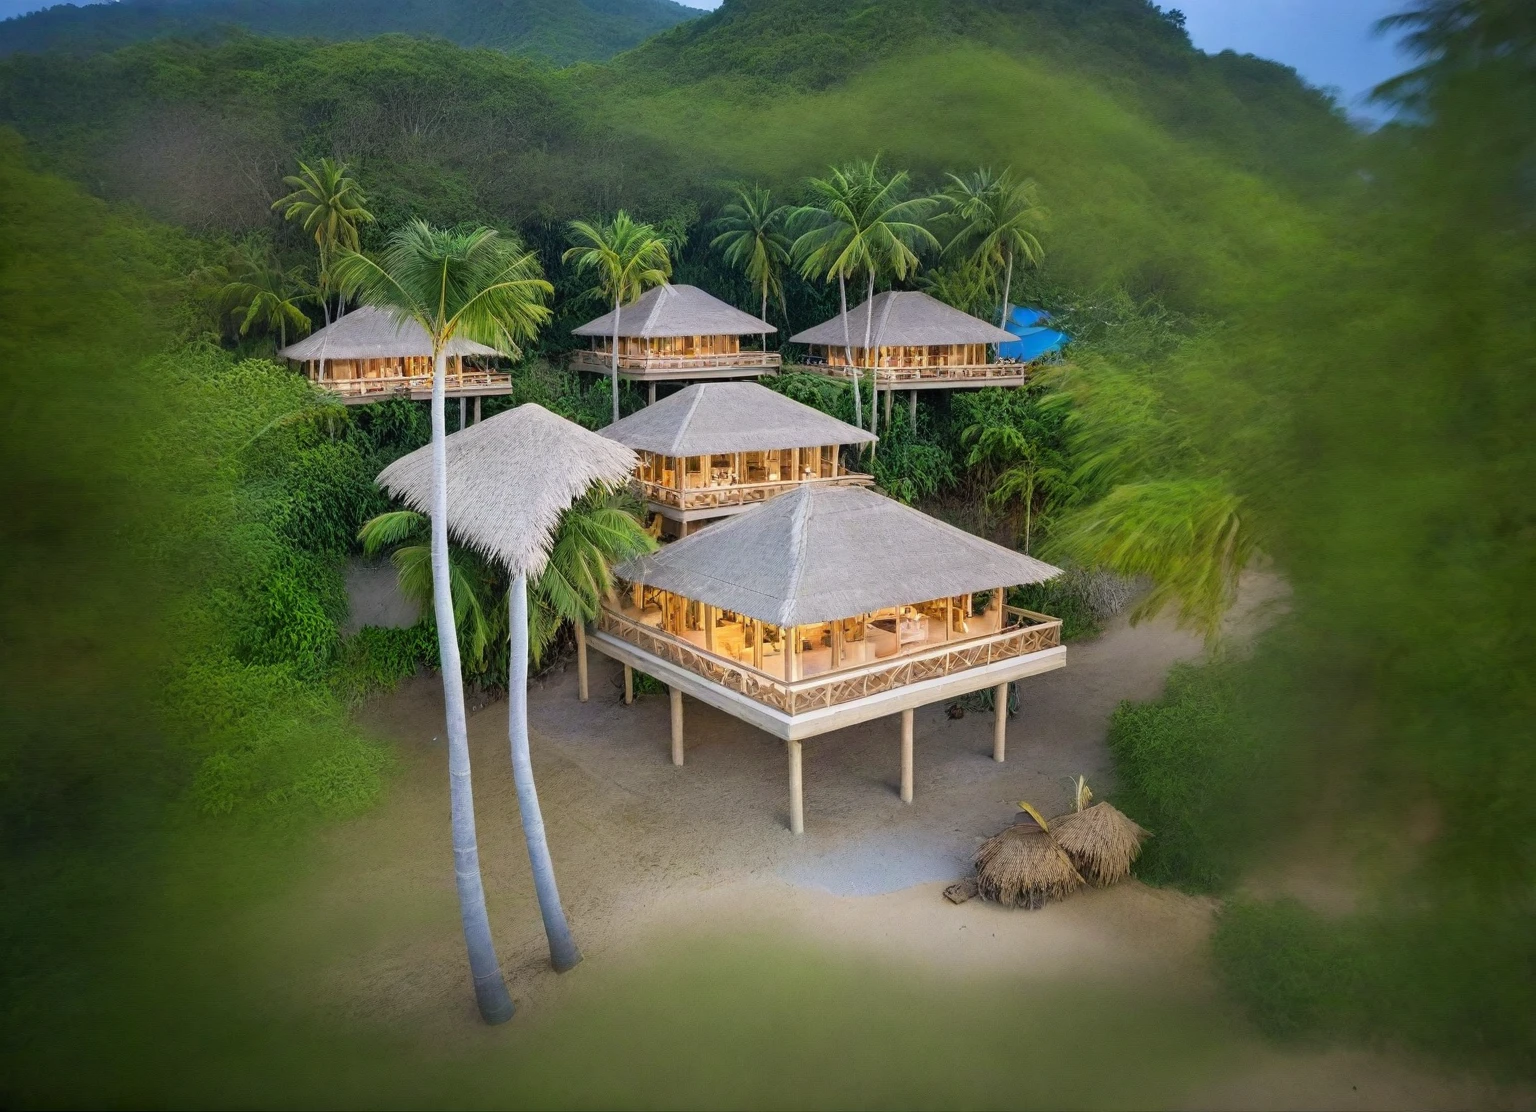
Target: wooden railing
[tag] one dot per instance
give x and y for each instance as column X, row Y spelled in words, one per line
column 968, row 372
column 739, row 494
column 603, row 361
column 412, row 384
column 832, row 688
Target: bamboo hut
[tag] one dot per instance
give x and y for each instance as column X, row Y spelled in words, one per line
column 369, row 355
column 916, row 342
column 676, row 334
column 826, row 607
column 715, row 449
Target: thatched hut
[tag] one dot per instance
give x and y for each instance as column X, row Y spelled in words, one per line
column 828, row 606
column 676, row 334
column 715, row 449
column 370, row 354
column 1024, row 867
column 1101, row 840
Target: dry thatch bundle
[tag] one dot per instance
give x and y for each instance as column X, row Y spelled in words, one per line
column 1024, row 867
column 1101, row 841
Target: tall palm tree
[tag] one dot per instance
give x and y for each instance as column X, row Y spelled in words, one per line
column 329, row 205
column 861, row 221
column 479, row 286
column 626, row 258
column 262, row 294
column 996, row 218
column 751, row 237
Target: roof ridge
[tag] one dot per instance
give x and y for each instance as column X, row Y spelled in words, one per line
column 797, row 543
column 664, row 290
column 682, row 426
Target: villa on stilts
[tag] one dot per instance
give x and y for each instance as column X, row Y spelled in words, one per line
column 369, row 355
column 915, row 342
column 827, row 606
column 714, row 449
column 676, row 334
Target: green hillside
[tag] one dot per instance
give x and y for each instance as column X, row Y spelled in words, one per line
column 562, row 30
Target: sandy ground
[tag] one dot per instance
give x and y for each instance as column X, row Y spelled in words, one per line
column 651, row 858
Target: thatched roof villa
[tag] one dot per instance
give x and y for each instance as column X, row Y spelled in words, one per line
column 369, row 355
column 826, row 607
column 676, row 334
column 715, row 449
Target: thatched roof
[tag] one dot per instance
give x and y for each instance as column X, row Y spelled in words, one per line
column 820, row 553
column 1101, row 841
column 370, row 333
column 730, row 417
column 509, row 479
column 1024, row 867
column 906, row 318
column 677, row 311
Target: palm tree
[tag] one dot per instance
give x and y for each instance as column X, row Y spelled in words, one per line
column 260, row 293
column 1019, row 473
column 328, row 205
column 627, row 258
column 751, row 236
column 861, row 221
column 996, row 218
column 479, row 286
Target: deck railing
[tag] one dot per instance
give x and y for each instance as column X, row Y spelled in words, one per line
column 603, row 361
column 412, row 384
column 965, row 372
column 738, row 494
column 1031, row 633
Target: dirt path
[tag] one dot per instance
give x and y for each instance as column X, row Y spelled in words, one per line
column 659, row 865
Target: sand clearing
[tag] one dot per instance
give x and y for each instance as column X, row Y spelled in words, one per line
column 659, row 864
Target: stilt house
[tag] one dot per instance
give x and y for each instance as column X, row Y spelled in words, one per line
column 715, row 449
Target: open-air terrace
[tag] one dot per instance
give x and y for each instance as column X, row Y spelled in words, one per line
column 676, row 333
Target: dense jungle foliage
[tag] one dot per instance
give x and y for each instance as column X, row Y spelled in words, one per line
column 1298, row 349
column 562, row 31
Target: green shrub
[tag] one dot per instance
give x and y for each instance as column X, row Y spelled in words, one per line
column 376, row 659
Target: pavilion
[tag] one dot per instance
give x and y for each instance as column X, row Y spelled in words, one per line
column 826, row 607
column 715, row 449
column 676, row 334
column 370, row 355
column 917, row 342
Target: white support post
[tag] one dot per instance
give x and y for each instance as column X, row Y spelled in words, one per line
column 650, row 398
column 629, row 685
column 912, row 407
column 581, row 660
column 477, row 409
column 890, row 399
column 796, row 790
column 462, row 404
column 1000, row 723
column 676, row 694
column 906, row 755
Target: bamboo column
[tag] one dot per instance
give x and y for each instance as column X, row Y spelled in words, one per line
column 581, row 660
column 796, row 790
column 1000, row 723
column 477, row 410
column 650, row 398
column 462, row 402
column 890, row 399
column 912, row 407
column 757, row 644
column 906, row 756
column 629, row 685
column 676, row 695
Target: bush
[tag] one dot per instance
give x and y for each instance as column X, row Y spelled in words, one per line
column 375, row 659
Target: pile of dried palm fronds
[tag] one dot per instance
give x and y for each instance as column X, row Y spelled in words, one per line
column 1101, row 841
column 1024, row 867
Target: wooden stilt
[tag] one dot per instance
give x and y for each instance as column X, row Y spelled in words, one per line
column 462, row 402
column 629, row 685
column 1000, row 723
column 676, row 694
column 906, row 756
column 912, row 407
column 477, row 410
column 650, row 397
column 890, row 399
column 581, row 661
column 796, row 790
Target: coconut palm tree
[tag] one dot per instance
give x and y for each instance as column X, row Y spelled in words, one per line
column 262, row 294
column 626, row 258
column 751, row 237
column 995, row 219
column 479, row 286
column 861, row 221
column 329, row 205
column 1021, row 472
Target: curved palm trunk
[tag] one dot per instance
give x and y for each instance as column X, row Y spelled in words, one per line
column 563, row 952
column 490, row 990
column 615, row 376
column 1007, row 291
column 858, row 397
column 869, row 356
